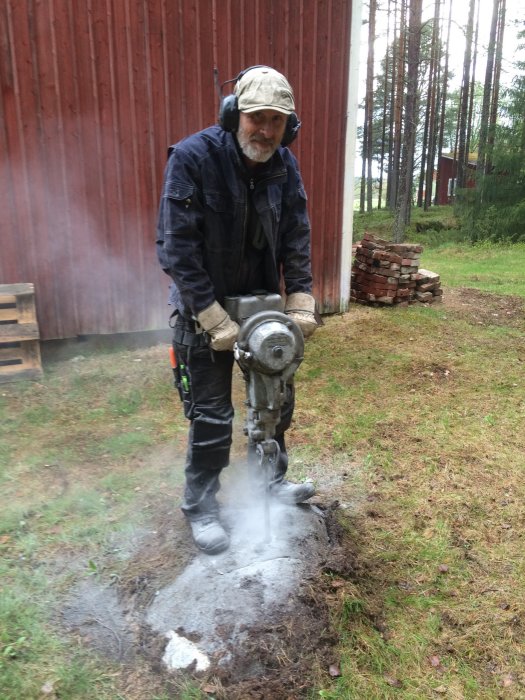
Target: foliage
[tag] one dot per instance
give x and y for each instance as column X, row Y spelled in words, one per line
column 437, row 225
column 485, row 119
column 384, row 80
column 495, row 211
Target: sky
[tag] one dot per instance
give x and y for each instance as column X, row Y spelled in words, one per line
column 515, row 11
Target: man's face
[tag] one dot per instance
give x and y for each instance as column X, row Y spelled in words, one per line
column 260, row 133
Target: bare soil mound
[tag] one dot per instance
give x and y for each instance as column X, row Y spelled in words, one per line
column 258, row 613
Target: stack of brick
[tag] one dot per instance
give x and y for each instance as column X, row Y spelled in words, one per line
column 388, row 273
column 428, row 287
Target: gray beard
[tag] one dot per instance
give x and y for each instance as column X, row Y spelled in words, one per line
column 251, row 151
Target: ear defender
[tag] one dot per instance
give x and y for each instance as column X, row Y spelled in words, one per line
column 229, row 115
column 293, row 124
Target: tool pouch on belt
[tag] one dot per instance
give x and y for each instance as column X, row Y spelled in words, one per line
column 186, row 337
column 177, row 379
column 181, row 379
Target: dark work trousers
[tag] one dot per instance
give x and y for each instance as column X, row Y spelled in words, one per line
column 208, row 406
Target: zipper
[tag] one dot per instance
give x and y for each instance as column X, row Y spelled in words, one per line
column 243, row 241
column 251, row 185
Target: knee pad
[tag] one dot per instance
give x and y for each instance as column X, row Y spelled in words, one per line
column 211, row 434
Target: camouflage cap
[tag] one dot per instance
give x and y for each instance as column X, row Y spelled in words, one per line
column 264, row 88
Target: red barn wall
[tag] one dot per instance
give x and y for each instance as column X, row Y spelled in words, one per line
column 93, row 92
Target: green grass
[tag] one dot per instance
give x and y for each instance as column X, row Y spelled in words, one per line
column 32, row 654
column 499, row 269
column 490, row 267
column 434, row 226
column 412, row 418
column 69, row 483
column 432, row 402
column 410, row 552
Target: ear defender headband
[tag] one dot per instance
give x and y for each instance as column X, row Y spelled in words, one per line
column 229, row 113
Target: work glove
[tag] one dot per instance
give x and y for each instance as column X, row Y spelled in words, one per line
column 218, row 325
column 301, row 307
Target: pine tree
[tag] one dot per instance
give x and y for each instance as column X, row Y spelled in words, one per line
column 404, row 199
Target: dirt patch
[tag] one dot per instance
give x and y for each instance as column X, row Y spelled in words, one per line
column 95, row 612
column 485, row 308
column 260, row 612
column 284, row 641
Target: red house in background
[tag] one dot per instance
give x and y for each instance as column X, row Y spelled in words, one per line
column 447, row 170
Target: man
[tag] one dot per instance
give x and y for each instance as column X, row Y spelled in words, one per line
column 232, row 220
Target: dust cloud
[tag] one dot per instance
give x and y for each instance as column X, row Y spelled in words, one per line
column 218, row 600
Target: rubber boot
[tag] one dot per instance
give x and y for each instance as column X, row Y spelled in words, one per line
column 208, row 533
column 280, row 488
column 290, row 493
column 208, row 453
column 201, row 509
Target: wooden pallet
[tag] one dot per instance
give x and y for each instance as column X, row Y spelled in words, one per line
column 19, row 334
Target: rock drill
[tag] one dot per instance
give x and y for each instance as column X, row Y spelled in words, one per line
column 269, row 349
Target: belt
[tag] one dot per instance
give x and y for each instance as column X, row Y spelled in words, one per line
column 193, row 340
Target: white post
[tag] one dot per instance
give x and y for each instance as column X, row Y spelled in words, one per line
column 350, row 147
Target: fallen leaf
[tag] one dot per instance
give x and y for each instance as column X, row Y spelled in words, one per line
column 394, row 682
column 337, row 583
column 435, row 662
column 4, row 539
column 208, row 688
column 334, row 670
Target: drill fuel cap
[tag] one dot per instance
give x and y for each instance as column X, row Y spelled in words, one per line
column 272, row 346
column 270, row 343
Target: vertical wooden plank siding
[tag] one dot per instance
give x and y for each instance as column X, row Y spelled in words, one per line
column 91, row 95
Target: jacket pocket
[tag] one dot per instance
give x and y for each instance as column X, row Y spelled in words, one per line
column 181, row 191
column 220, row 222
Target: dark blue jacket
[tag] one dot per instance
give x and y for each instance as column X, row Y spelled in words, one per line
column 201, row 229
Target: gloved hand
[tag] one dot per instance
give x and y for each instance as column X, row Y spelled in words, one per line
column 300, row 307
column 219, row 326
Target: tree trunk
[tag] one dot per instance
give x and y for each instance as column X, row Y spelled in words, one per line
column 398, row 107
column 370, row 102
column 434, row 70
column 390, row 167
column 425, row 140
column 463, row 112
column 496, row 86
column 385, row 100
column 404, row 201
column 487, row 92
column 443, row 104
column 367, row 144
column 473, row 83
